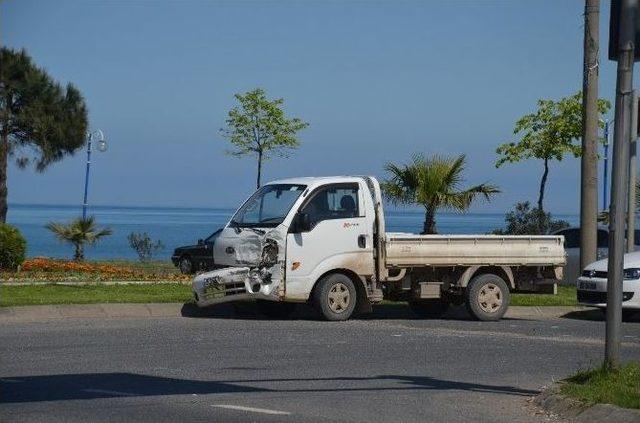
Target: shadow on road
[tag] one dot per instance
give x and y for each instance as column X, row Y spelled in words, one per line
column 596, row 315
column 112, row 385
column 248, row 310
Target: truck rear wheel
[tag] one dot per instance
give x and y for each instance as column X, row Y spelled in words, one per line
column 429, row 309
column 487, row 297
column 335, row 297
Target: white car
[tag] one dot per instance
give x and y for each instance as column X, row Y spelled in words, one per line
column 592, row 284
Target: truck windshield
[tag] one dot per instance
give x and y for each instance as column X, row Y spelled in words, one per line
column 268, row 206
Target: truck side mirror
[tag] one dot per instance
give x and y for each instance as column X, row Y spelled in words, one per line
column 303, row 223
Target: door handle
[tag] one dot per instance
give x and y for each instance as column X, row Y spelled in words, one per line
column 362, row 241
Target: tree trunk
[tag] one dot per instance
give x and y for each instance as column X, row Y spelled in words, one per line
column 429, row 226
column 4, row 155
column 79, row 254
column 543, row 183
column 259, row 168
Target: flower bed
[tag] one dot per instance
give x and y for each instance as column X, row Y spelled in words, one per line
column 55, row 270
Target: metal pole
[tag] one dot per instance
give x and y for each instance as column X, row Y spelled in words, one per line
column 589, row 160
column 633, row 166
column 619, row 183
column 605, row 175
column 86, row 177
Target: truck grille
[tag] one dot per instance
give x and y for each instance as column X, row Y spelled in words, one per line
column 596, row 297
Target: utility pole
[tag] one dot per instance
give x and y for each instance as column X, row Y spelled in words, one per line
column 633, row 171
column 624, row 53
column 589, row 161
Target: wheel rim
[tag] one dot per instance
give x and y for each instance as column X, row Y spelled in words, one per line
column 490, row 298
column 339, row 298
column 185, row 266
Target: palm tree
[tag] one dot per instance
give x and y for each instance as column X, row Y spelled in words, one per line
column 433, row 183
column 79, row 232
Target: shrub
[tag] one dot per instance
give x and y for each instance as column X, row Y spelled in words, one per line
column 144, row 245
column 524, row 220
column 13, row 247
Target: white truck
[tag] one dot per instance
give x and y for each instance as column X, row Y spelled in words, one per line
column 322, row 240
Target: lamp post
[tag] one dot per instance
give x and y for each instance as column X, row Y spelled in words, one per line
column 606, row 164
column 102, row 147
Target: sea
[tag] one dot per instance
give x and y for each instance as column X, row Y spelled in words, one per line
column 175, row 226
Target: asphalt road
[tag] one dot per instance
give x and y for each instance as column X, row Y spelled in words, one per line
column 225, row 368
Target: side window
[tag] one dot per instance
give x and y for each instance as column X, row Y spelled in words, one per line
column 571, row 238
column 339, row 201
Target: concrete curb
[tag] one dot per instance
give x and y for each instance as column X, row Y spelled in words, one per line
column 574, row 410
column 118, row 310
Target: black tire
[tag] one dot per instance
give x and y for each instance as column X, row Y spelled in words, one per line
column 335, row 297
column 276, row 309
column 487, row 297
column 186, row 265
column 429, row 309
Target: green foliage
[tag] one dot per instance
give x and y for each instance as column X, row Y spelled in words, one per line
column 40, row 121
column 602, row 386
column 78, row 233
column 433, row 183
column 523, row 220
column 144, row 245
column 550, row 133
column 259, row 126
column 13, row 247
column 23, row 295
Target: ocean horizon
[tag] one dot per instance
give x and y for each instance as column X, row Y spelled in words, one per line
column 176, row 226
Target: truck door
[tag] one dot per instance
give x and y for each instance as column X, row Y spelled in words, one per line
column 338, row 235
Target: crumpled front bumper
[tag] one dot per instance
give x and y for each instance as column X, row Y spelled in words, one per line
column 233, row 284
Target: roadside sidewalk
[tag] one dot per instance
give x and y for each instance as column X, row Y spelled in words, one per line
column 52, row 312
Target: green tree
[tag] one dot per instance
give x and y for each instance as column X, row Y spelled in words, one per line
column 259, row 126
column 78, row 233
column 40, row 121
column 550, row 133
column 523, row 220
column 144, row 245
column 433, row 183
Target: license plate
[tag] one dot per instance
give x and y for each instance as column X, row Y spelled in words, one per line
column 590, row 286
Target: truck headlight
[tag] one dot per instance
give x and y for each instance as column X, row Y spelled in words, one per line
column 631, row 274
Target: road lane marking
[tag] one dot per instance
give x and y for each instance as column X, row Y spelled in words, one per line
column 252, row 409
column 105, row 391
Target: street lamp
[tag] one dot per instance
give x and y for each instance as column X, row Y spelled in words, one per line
column 102, row 147
column 606, row 162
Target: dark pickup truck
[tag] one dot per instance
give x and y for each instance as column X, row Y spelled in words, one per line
column 199, row 257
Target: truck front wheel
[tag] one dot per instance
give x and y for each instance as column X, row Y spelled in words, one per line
column 335, row 297
column 487, row 297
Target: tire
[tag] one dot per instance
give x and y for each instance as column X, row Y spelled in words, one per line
column 185, row 265
column 429, row 309
column 276, row 309
column 335, row 297
column 487, row 297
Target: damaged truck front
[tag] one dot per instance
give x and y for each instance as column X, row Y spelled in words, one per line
column 323, row 241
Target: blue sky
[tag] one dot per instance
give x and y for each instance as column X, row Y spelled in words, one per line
column 377, row 81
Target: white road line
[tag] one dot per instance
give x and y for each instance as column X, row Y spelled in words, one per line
column 105, row 391
column 251, row 409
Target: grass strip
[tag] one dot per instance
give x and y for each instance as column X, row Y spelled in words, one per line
column 600, row 386
column 92, row 294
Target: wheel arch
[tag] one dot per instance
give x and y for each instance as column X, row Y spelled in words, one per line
column 504, row 272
